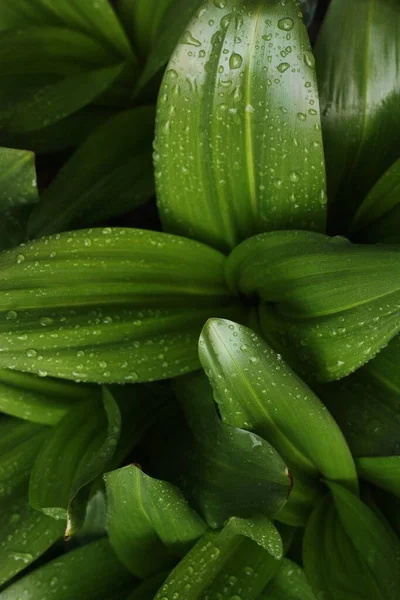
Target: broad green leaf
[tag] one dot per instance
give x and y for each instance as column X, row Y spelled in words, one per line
column 61, row 135
column 329, row 306
column 114, row 162
column 359, row 81
column 146, row 589
column 38, row 399
column 89, row 573
column 382, row 471
column 24, row 532
column 290, row 583
column 17, row 178
column 244, row 555
column 256, row 163
column 378, row 218
column 377, row 547
column 166, row 34
column 108, row 305
column 384, row 368
column 79, row 450
column 95, row 18
column 256, row 390
column 148, row 518
column 143, row 21
column 225, row 470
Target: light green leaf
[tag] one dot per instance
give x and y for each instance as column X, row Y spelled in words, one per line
column 95, row 18
column 116, row 305
column 378, row 218
column 329, row 306
column 382, row 471
column 290, row 583
column 256, row 163
column 359, row 83
column 115, row 161
column 39, row 399
column 249, row 549
column 225, row 470
column 148, row 518
column 255, row 389
column 89, row 573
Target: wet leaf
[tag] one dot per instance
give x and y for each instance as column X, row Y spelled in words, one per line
column 290, row 583
column 115, row 161
column 115, row 305
column 18, row 178
column 244, row 555
column 148, row 517
column 90, row 573
column 225, row 470
column 359, row 83
column 329, row 306
column 253, row 107
column 382, row 471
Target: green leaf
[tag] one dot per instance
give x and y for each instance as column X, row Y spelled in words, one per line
column 148, row 517
column 174, row 21
column 78, row 451
column 225, row 470
column 378, row 218
column 38, row 399
column 224, row 82
column 382, row 471
column 290, row 583
column 120, row 305
column 329, row 306
column 359, row 83
column 17, row 179
column 146, row 589
column 94, row 18
column 255, row 389
column 144, row 21
column 115, row 161
column 89, row 573
column 249, row 549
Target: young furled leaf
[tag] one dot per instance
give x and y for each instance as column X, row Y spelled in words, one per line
column 244, row 556
column 329, row 306
column 251, row 106
column 359, row 82
column 226, row 471
column 148, row 518
column 108, row 305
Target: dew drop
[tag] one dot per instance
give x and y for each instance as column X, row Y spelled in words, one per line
column 189, row 40
column 20, row 258
column 31, row 353
column 220, row 3
column 294, row 177
column 284, row 66
column 11, row 315
column 235, row 61
column 286, row 24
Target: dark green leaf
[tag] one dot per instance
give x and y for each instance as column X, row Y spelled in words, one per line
column 290, row 583
column 17, row 179
column 144, row 21
column 382, row 471
column 148, row 518
column 256, row 163
column 255, row 389
column 95, row 18
column 329, row 306
column 359, row 81
column 147, row 589
column 38, row 399
column 226, row 470
column 115, row 162
column 120, row 305
column 378, row 218
column 89, row 573
column 243, row 556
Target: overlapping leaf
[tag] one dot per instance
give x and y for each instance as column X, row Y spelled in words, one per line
column 143, row 21
column 243, row 78
column 148, row 517
column 243, row 556
column 290, row 583
column 89, row 573
column 225, row 470
column 329, row 306
column 146, row 589
column 359, row 82
column 383, row 471
column 107, row 305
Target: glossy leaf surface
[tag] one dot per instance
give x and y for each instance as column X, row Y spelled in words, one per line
column 329, row 306
column 114, row 162
column 242, row 542
column 256, row 163
column 116, row 305
column 89, row 573
column 359, row 83
column 17, row 178
column 382, row 471
column 378, row 218
column 225, row 470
